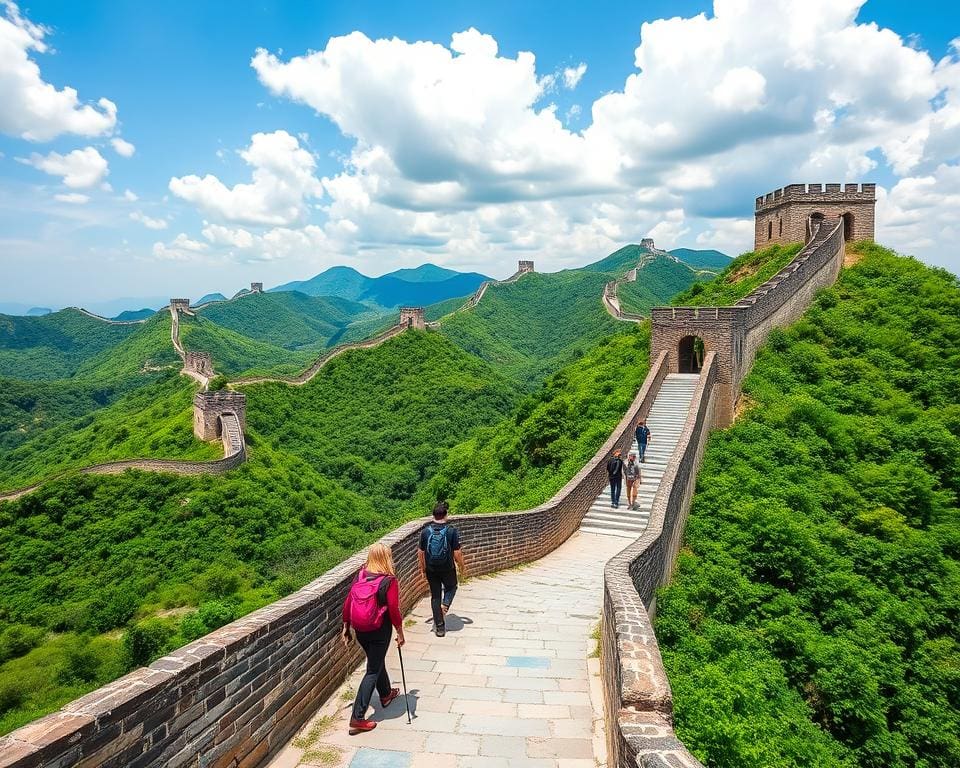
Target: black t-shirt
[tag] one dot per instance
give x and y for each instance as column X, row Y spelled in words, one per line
column 614, row 467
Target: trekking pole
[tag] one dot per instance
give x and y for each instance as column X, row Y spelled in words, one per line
column 403, row 677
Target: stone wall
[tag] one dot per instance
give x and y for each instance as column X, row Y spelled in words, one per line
column 637, row 699
column 234, row 697
column 413, row 317
column 735, row 333
column 209, row 407
column 783, row 216
column 524, row 266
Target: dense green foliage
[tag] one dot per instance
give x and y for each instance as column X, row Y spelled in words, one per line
column 154, row 420
column 333, row 465
column 656, row 283
column 523, row 461
column 702, row 259
column 289, row 319
column 743, row 274
column 54, row 346
column 235, row 354
column 814, row 618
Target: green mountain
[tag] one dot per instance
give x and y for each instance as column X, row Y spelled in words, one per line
column 136, row 314
column 290, row 319
column 54, row 346
column 702, row 259
column 813, row 614
column 657, row 283
column 425, row 285
column 210, row 297
column 38, row 311
column 739, row 278
column 333, row 465
column 531, row 327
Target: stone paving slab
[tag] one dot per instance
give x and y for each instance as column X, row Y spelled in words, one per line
column 511, row 684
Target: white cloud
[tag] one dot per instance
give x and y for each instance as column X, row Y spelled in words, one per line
column 182, row 248
column 80, row 168
column 283, row 181
column 573, row 75
column 742, row 89
column 122, row 148
column 130, row 196
column 72, row 197
column 147, row 221
column 732, row 236
column 33, row 109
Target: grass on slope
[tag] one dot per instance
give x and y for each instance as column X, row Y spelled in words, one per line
column 656, row 284
column 288, row 319
column 165, row 559
column 155, row 421
column 235, row 354
column 745, row 273
column 813, row 618
column 54, row 346
column 523, row 461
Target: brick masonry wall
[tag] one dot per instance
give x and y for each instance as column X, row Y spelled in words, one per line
column 781, row 216
column 234, row 697
column 637, row 700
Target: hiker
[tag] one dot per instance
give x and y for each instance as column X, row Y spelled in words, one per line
column 439, row 557
column 631, row 471
column 372, row 607
column 643, row 437
column 615, row 473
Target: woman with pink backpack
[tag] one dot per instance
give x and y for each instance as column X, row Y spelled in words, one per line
column 371, row 608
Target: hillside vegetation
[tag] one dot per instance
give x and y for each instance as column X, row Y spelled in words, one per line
column 54, row 346
column 657, row 283
column 333, row 465
column 289, row 320
column 530, row 328
column 814, row 617
column 743, row 274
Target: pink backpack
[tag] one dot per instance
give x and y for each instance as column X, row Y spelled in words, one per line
column 366, row 612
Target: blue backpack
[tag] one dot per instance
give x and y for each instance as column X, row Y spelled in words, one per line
column 438, row 555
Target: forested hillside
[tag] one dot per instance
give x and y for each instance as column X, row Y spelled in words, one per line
column 743, row 274
column 54, row 346
column 333, row 464
column 814, row 617
column 531, row 327
column 657, row 283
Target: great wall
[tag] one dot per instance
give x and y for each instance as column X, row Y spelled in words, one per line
column 234, row 698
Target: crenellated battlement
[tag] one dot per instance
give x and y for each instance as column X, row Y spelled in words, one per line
column 209, row 408
column 790, row 214
column 524, row 266
column 179, row 305
column 256, row 287
column 817, row 193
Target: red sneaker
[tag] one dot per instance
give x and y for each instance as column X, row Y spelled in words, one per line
column 385, row 701
column 359, row 726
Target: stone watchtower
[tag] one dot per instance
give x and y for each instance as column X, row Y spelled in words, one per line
column 787, row 215
column 208, row 407
column 179, row 305
column 198, row 362
column 256, row 287
column 647, row 243
column 413, row 317
column 524, row 266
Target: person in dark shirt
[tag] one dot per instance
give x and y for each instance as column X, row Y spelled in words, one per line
column 615, row 474
column 643, row 437
column 439, row 556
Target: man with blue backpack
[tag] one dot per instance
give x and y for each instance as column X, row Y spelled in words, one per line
column 439, row 558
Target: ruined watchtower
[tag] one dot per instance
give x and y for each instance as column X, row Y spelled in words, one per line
column 209, row 407
column 648, row 244
column 179, row 305
column 787, row 215
column 524, row 266
column 413, row 317
column 256, row 287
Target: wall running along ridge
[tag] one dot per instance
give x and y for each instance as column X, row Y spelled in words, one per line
column 783, row 216
column 235, row 697
column 523, row 268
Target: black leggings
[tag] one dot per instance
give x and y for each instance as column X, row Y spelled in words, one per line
column 375, row 645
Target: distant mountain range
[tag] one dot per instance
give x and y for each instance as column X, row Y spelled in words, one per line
column 705, row 259
column 426, row 284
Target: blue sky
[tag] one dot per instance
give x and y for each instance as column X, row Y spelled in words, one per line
column 384, row 155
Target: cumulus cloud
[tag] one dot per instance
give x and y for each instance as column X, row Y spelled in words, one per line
column 80, row 168
column 72, row 197
column 122, row 148
column 148, row 221
column 32, row 108
column 181, row 248
column 283, row 182
column 573, row 75
column 130, row 196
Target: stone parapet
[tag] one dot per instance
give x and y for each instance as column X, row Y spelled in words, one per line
column 234, row 697
column 788, row 215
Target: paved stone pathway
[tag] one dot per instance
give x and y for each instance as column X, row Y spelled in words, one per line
column 512, row 685
column 666, row 419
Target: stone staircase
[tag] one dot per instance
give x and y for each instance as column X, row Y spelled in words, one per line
column 666, row 419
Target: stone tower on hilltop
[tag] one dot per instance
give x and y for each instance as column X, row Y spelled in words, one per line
column 787, row 215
